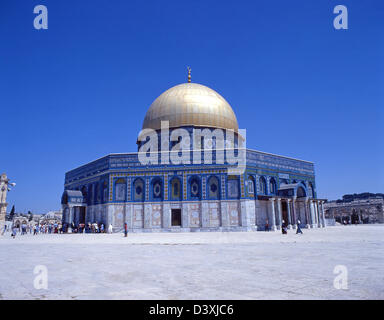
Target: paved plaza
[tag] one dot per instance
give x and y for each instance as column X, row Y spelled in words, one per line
column 236, row 265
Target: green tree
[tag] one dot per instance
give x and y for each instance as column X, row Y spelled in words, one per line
column 12, row 213
column 30, row 216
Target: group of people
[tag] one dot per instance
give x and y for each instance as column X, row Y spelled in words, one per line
column 87, row 228
column 284, row 227
column 24, row 229
column 36, row 229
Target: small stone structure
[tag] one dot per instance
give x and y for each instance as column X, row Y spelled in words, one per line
column 4, row 188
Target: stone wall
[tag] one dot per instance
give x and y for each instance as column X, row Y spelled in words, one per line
column 362, row 211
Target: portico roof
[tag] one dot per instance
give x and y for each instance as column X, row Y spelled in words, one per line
column 288, row 186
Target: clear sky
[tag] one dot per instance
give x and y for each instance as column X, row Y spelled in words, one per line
column 80, row 89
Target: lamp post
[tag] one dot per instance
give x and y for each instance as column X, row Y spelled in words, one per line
column 5, row 186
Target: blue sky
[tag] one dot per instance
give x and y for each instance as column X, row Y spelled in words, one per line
column 80, row 89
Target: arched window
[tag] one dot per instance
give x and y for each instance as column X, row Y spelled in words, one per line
column 105, row 191
column 120, row 189
column 194, row 188
column 251, row 185
column 301, row 192
column 157, row 189
column 233, row 187
column 263, row 185
column 176, row 189
column 138, row 190
column 213, row 188
column 272, row 186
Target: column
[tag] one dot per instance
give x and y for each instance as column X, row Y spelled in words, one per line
column 70, row 219
column 294, row 218
column 317, row 214
column 306, row 213
column 76, row 215
column 272, row 222
column 312, row 211
column 289, row 213
column 322, row 213
column 279, row 214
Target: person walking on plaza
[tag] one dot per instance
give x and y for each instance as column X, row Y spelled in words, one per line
column 14, row 232
column 125, row 229
column 283, row 227
column 266, row 225
column 4, row 230
column 298, row 230
column 110, row 228
column 23, row 229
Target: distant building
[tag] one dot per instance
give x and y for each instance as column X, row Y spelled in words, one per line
column 51, row 217
column 358, row 208
column 19, row 219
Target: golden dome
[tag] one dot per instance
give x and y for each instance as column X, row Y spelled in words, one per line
column 190, row 104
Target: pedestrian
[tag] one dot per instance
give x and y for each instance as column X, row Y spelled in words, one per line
column 298, row 228
column 110, row 228
column 125, row 229
column 102, row 228
column 4, row 230
column 266, row 225
column 283, row 227
column 14, row 232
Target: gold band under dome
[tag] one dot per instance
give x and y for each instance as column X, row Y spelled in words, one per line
column 191, row 104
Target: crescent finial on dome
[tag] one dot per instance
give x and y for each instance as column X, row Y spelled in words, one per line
column 189, row 74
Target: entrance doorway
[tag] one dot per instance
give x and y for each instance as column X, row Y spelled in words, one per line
column 284, row 209
column 176, row 217
column 82, row 215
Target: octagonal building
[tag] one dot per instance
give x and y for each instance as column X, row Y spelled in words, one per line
column 185, row 180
